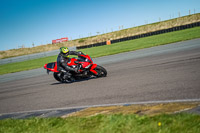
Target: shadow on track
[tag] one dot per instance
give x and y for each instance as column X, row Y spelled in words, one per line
column 78, row 80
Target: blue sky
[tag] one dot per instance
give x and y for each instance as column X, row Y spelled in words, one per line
column 24, row 22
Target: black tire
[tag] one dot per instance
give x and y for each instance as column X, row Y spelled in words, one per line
column 59, row 77
column 55, row 75
column 101, row 72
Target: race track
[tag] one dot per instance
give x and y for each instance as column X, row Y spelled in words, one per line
column 169, row 72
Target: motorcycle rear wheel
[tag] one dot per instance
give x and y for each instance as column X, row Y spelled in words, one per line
column 55, row 75
column 59, row 77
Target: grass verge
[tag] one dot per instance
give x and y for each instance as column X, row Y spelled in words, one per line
column 146, row 42
column 129, row 123
column 126, row 46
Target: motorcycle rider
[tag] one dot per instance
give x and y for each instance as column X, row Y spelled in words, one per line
column 63, row 59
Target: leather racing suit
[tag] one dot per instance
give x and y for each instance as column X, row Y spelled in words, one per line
column 62, row 62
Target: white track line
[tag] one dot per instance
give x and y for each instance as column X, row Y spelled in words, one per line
column 102, row 105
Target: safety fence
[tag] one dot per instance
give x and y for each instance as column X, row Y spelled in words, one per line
column 177, row 28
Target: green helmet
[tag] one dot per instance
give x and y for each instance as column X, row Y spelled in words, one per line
column 64, row 51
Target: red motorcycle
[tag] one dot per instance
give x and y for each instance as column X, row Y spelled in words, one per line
column 87, row 69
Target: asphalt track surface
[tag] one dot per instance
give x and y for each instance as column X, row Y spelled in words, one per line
column 168, row 72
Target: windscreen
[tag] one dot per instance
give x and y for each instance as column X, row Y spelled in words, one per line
column 80, row 58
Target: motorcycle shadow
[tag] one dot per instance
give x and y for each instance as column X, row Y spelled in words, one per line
column 78, row 80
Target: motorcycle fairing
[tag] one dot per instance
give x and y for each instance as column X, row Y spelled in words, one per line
column 83, row 64
column 72, row 62
column 51, row 67
column 92, row 69
column 87, row 57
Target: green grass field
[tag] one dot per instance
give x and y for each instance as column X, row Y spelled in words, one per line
column 115, row 123
column 125, row 46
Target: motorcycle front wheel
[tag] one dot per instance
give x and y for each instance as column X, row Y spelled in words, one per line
column 101, row 72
